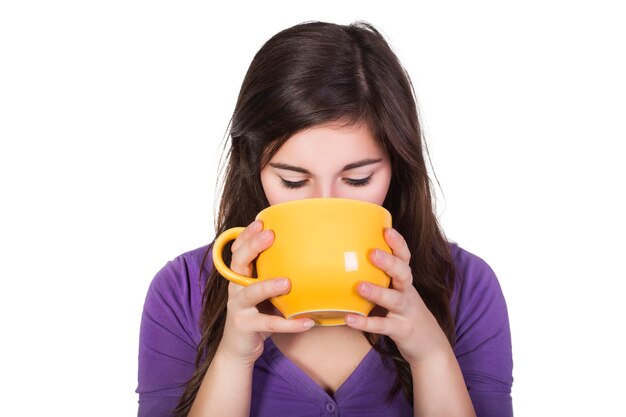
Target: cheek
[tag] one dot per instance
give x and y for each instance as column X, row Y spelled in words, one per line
column 379, row 194
column 268, row 188
column 375, row 193
column 274, row 196
column 382, row 188
column 265, row 183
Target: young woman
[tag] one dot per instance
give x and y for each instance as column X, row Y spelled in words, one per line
column 327, row 111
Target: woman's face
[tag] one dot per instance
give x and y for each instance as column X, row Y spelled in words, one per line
column 328, row 161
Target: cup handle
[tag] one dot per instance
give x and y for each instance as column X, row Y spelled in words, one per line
column 218, row 262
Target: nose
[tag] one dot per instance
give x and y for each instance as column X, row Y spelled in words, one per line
column 324, row 190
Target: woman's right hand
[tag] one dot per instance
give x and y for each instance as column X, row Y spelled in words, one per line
column 246, row 328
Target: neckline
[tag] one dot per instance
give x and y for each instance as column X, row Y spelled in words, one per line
column 295, row 376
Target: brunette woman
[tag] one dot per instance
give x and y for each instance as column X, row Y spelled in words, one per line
column 327, row 110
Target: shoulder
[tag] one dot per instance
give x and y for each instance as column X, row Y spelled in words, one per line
column 475, row 280
column 176, row 290
column 170, row 332
column 478, row 304
column 182, row 272
column 482, row 334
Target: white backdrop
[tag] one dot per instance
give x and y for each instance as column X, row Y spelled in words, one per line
column 111, row 115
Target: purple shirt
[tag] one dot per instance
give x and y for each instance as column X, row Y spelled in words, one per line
column 170, row 335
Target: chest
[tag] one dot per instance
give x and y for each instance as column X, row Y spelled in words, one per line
column 327, row 360
column 325, row 384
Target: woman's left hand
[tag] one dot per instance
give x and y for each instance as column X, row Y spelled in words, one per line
column 408, row 322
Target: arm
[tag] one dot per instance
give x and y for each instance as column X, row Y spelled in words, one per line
column 483, row 336
column 227, row 385
column 438, row 385
column 168, row 339
column 225, row 390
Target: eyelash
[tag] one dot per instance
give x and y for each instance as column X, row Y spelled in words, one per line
column 298, row 184
column 291, row 184
column 359, row 183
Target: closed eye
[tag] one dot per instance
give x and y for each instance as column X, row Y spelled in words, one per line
column 358, row 183
column 292, row 184
column 350, row 181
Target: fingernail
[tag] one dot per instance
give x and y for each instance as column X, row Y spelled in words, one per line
column 392, row 233
column 378, row 255
column 308, row 324
column 350, row 319
column 266, row 234
column 255, row 226
column 364, row 288
column 281, row 283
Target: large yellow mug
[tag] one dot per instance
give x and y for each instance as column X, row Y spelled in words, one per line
column 322, row 246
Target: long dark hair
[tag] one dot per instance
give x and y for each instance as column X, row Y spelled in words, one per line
column 316, row 73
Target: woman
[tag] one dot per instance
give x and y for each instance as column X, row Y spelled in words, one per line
column 327, row 111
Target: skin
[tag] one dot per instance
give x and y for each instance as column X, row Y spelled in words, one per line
column 330, row 161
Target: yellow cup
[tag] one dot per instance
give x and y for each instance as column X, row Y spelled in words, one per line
column 322, row 246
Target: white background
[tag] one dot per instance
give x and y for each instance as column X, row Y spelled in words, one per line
column 111, row 116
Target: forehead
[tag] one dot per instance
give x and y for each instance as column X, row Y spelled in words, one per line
column 330, row 143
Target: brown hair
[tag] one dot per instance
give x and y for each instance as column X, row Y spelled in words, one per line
column 316, row 73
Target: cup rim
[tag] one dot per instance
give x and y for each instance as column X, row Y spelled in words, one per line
column 316, row 200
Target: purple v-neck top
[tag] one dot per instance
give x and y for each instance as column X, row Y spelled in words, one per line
column 170, row 335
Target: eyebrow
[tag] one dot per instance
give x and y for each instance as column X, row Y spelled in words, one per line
column 348, row 167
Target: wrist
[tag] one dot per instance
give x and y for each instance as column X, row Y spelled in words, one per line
column 439, row 357
column 224, row 357
column 439, row 387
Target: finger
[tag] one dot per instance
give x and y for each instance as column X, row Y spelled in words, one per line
column 233, row 289
column 260, row 291
column 273, row 324
column 378, row 325
column 252, row 229
column 396, row 268
column 242, row 258
column 390, row 299
column 397, row 244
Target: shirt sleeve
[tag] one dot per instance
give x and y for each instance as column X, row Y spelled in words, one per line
column 168, row 339
column 483, row 337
